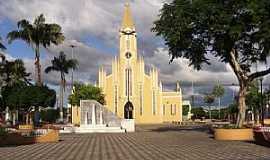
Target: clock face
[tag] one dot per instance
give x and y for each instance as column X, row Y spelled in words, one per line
column 128, row 55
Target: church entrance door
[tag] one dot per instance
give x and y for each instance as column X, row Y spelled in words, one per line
column 128, row 110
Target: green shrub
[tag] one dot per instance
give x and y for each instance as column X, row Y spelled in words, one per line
column 50, row 115
column 3, row 131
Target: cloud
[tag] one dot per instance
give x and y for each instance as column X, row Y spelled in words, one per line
column 179, row 69
column 82, row 18
column 98, row 21
column 93, row 25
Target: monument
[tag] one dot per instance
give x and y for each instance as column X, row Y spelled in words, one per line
column 95, row 118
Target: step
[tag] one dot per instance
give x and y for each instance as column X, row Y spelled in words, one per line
column 91, row 129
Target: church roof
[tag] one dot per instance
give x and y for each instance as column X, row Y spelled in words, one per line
column 127, row 18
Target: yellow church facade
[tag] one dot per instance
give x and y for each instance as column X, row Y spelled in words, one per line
column 130, row 92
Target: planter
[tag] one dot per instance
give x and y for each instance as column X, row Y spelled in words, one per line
column 234, row 134
column 38, row 136
column 262, row 135
column 26, row 127
column 266, row 121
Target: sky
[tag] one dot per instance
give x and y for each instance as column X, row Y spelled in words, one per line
column 93, row 25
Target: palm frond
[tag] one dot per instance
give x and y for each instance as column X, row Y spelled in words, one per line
column 62, row 64
column 21, row 34
column 1, row 45
column 23, row 24
column 50, row 68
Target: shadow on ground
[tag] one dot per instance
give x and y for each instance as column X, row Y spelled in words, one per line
column 167, row 128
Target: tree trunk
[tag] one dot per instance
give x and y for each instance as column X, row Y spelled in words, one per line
column 210, row 116
column 219, row 108
column 27, row 119
column 13, row 118
column 241, row 105
column 61, row 100
column 38, row 67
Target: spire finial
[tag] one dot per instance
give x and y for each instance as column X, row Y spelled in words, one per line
column 127, row 18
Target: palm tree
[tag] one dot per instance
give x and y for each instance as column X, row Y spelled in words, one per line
column 1, row 45
column 209, row 99
column 62, row 65
column 218, row 92
column 14, row 73
column 36, row 35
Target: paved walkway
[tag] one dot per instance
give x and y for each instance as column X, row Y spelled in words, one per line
column 148, row 143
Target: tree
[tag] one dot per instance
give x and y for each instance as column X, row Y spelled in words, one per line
column 185, row 110
column 209, row 99
column 2, row 47
column 218, row 92
column 14, row 73
column 36, row 35
column 62, row 65
column 233, row 111
column 26, row 97
column 235, row 32
column 253, row 99
column 197, row 112
column 86, row 92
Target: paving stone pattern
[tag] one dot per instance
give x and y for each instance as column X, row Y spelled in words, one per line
column 159, row 142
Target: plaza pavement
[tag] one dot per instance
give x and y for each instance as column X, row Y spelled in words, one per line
column 158, row 142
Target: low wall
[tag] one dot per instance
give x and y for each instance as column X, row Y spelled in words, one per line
column 22, row 139
column 234, row 134
column 128, row 125
column 26, row 127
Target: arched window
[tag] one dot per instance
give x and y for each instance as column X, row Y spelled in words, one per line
column 128, row 42
column 171, row 109
column 115, row 99
column 128, row 82
column 141, row 99
column 164, row 109
column 154, row 103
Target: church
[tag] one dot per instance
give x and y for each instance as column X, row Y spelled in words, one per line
column 129, row 91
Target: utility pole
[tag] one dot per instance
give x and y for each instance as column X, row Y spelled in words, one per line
column 192, row 94
column 72, row 70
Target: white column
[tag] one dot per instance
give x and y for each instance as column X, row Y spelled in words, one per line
column 85, row 118
column 93, row 114
column 100, row 117
column 7, row 114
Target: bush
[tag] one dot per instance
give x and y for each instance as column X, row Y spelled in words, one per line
column 3, row 132
column 198, row 113
column 50, row 115
column 185, row 110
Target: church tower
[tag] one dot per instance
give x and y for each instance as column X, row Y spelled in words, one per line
column 128, row 37
column 130, row 91
column 128, row 60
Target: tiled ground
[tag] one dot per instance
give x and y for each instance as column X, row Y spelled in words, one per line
column 149, row 143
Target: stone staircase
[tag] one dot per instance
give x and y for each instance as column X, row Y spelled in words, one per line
column 95, row 118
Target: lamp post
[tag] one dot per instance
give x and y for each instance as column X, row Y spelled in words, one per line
column 72, row 70
column 262, row 108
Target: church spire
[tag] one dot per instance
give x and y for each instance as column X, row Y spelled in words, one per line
column 127, row 18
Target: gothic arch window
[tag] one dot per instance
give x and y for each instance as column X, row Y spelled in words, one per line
column 115, row 99
column 154, row 103
column 128, row 42
column 171, row 109
column 164, row 109
column 128, row 82
column 141, row 99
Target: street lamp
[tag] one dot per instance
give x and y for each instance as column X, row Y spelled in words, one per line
column 72, row 56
